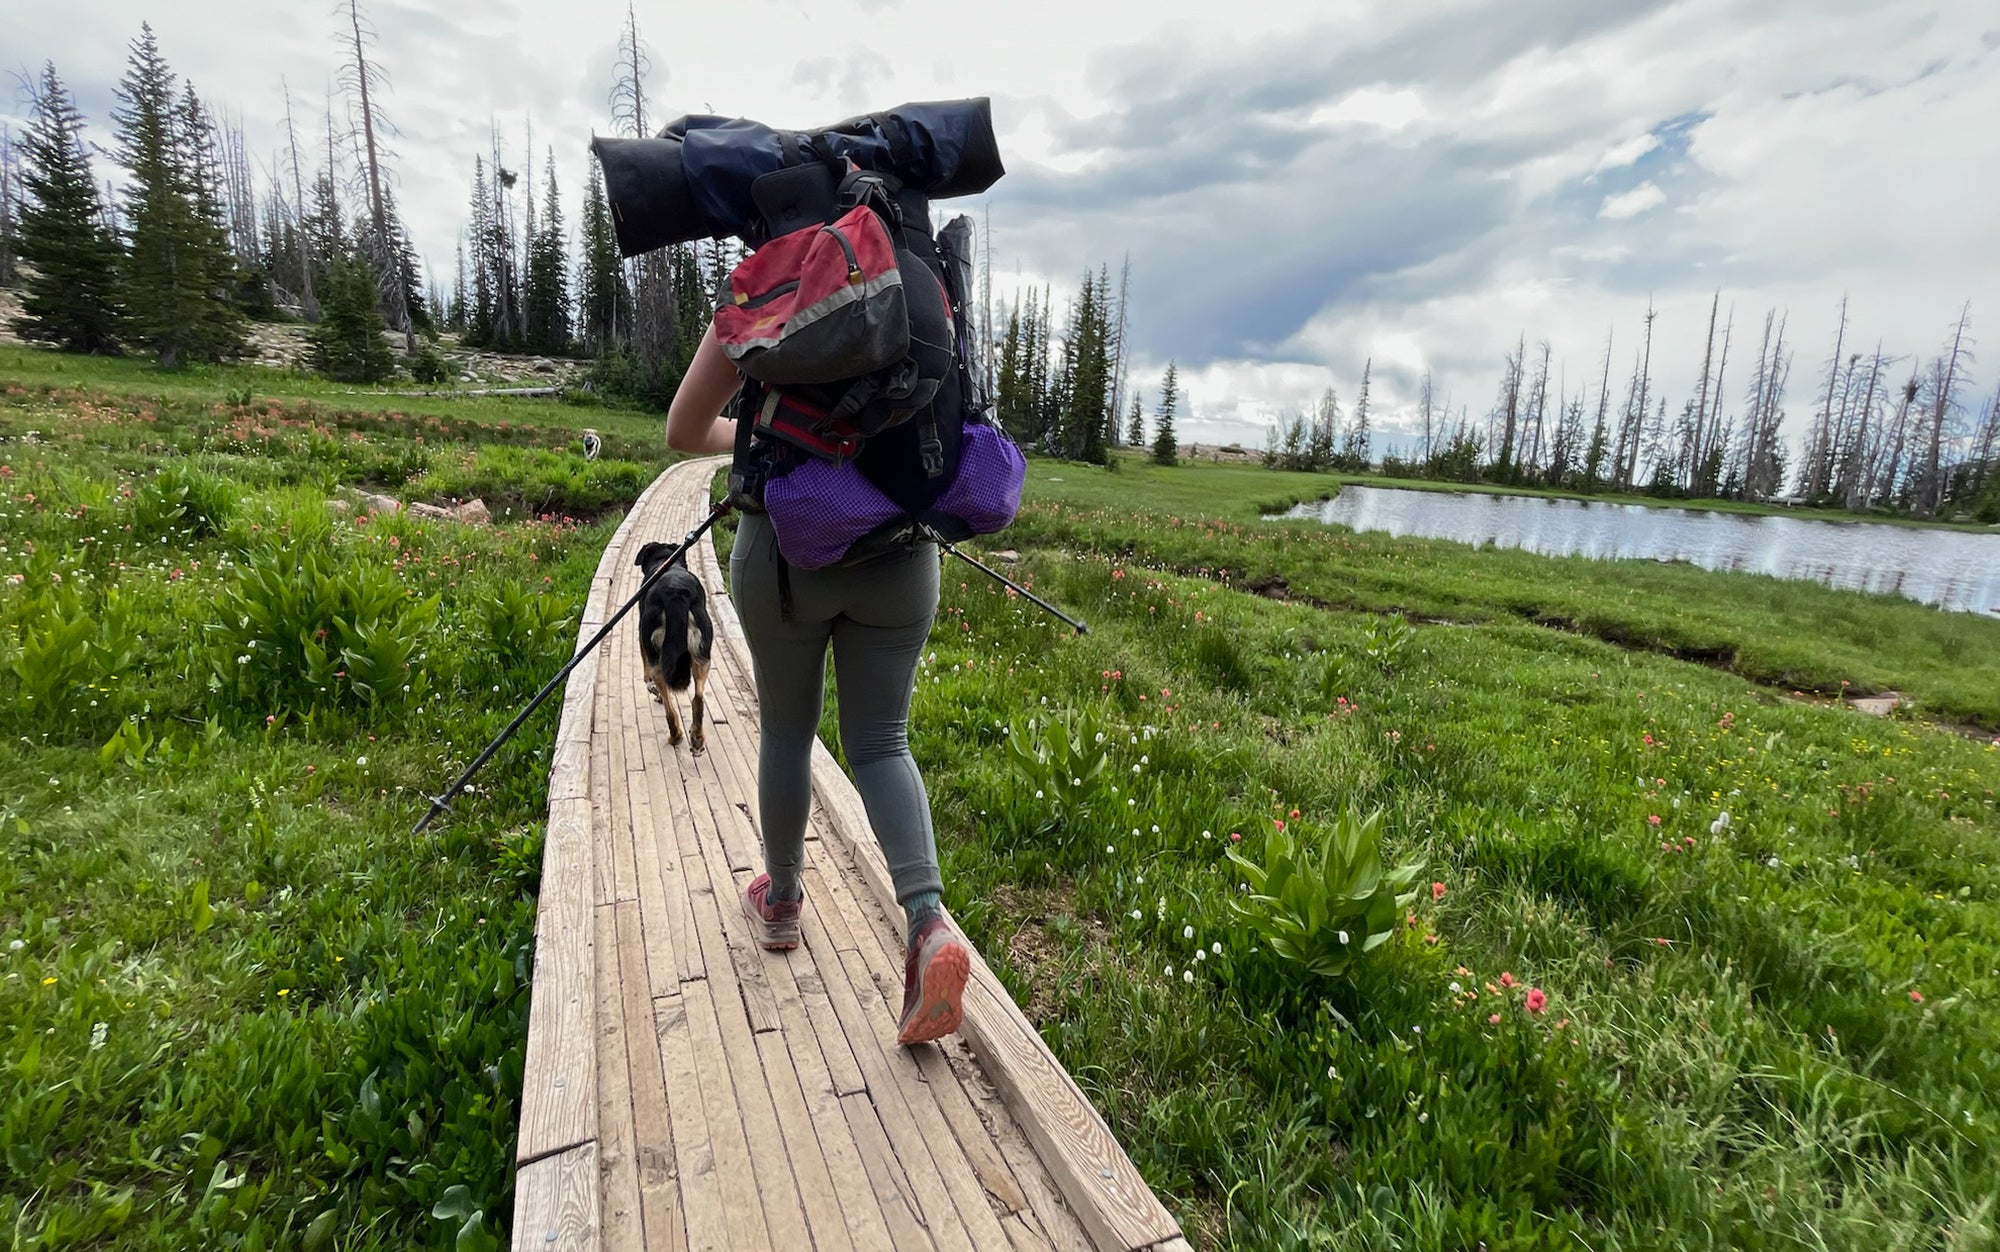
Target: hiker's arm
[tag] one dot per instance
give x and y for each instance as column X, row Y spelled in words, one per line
column 693, row 421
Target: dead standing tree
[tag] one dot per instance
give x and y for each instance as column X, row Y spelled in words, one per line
column 1932, row 473
column 362, row 79
column 653, row 332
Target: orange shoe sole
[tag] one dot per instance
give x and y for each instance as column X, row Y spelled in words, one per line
column 940, row 992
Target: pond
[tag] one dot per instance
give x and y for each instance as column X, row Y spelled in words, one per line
column 1954, row 570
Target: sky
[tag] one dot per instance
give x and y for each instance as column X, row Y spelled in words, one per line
column 1302, row 188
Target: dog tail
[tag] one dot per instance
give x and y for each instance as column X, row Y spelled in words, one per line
column 671, row 636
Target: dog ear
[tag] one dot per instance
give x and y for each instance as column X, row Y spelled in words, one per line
column 649, row 554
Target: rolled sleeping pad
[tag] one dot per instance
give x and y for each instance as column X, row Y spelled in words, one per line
column 694, row 180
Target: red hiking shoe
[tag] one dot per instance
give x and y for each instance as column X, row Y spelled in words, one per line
column 933, row 983
column 774, row 924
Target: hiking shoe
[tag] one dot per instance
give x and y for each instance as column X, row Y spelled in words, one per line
column 933, row 983
column 774, row 924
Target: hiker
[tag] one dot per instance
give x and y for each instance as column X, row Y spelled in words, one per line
column 876, row 614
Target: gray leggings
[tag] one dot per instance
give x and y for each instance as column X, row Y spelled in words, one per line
column 877, row 616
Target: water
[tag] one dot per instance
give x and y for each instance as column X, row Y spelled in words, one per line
column 1954, row 570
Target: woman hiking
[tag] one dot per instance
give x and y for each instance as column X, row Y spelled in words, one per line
column 876, row 615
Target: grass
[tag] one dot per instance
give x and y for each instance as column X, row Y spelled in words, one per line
column 1789, row 635
column 1773, row 1030
column 240, row 1004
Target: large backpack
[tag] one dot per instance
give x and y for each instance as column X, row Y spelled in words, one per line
column 861, row 423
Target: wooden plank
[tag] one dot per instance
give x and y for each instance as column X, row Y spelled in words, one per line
column 770, row 1160
column 627, row 824
column 742, row 1208
column 981, row 1152
column 820, row 899
column 801, row 1138
column 694, row 1150
column 579, row 690
column 1023, row 1237
column 604, row 822
column 569, row 770
column 658, row 1173
column 813, row 982
column 555, row 1201
column 617, row 1154
column 1048, row 1212
column 657, row 930
column 558, row 1086
column 885, row 1176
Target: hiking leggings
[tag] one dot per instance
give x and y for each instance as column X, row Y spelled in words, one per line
column 877, row 615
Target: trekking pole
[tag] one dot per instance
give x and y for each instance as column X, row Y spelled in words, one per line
column 442, row 803
column 997, row 576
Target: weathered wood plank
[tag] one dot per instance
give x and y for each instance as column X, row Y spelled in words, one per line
column 701, row 1204
column 800, row 1135
column 555, row 1201
column 742, row 1207
column 885, row 1175
column 617, row 1155
column 558, row 1087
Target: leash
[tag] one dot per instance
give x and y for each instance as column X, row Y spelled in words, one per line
column 442, row 803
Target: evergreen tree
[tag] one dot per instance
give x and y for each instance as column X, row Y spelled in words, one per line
column 1087, row 373
column 1135, row 425
column 71, row 300
column 347, row 344
column 606, row 310
column 209, row 266
column 176, row 279
column 10, row 184
column 1325, row 429
column 1354, row 447
column 548, row 276
column 481, row 314
column 1166, row 451
column 1011, row 374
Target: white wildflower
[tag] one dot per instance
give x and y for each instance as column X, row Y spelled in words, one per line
column 98, row 1033
column 1187, row 976
column 1343, row 937
column 1216, row 948
column 1187, row 932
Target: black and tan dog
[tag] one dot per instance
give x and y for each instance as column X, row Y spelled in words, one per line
column 675, row 638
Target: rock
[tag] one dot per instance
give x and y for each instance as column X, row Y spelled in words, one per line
column 381, row 504
column 465, row 378
column 435, row 512
column 542, row 365
column 1880, row 706
column 340, row 508
column 473, row 513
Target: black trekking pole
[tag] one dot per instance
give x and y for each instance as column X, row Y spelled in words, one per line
column 999, row 577
column 442, row 803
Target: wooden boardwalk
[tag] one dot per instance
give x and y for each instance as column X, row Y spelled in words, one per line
column 684, row 1088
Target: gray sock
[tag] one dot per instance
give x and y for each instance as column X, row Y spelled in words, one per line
column 785, row 887
column 918, row 909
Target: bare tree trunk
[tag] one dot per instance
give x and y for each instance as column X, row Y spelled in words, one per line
column 1118, row 345
column 1855, row 472
column 1701, row 396
column 310, row 305
column 388, row 257
column 1538, row 401
column 1944, row 382
column 1645, row 386
column 1817, row 467
column 1424, row 404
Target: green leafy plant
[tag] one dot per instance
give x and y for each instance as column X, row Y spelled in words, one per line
column 180, row 501
column 1385, row 642
column 297, row 636
column 1065, row 761
column 1324, row 906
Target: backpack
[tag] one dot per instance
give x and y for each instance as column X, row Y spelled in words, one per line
column 861, row 424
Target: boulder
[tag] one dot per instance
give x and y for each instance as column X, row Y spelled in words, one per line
column 473, row 513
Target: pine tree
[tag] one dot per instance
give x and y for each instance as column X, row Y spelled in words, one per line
column 209, row 266
column 176, row 280
column 548, row 276
column 71, row 300
column 347, row 344
column 1321, row 447
column 1135, row 425
column 1166, row 451
column 606, row 311
column 1354, row 453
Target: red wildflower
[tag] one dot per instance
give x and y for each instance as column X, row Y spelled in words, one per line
column 1652, row 819
column 1235, row 837
column 1916, row 997
column 1537, row 1000
column 1506, row 980
column 1493, row 1020
column 1437, row 891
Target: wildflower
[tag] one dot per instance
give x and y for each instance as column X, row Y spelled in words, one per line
column 1431, row 939
column 1493, row 1020
column 1652, row 819
column 1455, row 988
column 1537, row 1000
column 1437, row 891
column 1187, row 976
column 1170, row 971
column 1720, row 824
column 361, row 760
column 1916, row 997
column 1187, row 932
column 1138, row 915
column 1235, row 837
column 99, row 1031
column 1343, row 937
column 1295, row 814
column 1506, row 980
column 1332, row 1074
column 1216, row 948
column 50, row 981
column 1107, row 849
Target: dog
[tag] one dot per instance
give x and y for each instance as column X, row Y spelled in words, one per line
column 675, row 639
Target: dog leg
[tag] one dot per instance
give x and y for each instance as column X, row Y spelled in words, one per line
column 696, row 737
column 673, row 717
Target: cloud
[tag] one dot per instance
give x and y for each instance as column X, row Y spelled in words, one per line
column 1623, row 154
column 1617, row 208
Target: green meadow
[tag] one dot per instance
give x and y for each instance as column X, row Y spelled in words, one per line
column 1667, row 947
